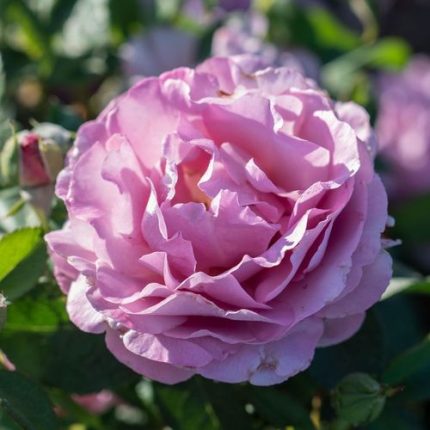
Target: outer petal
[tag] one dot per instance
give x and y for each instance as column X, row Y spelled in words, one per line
column 339, row 329
column 162, row 372
column 272, row 363
column 80, row 309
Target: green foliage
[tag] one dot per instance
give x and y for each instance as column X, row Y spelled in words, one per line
column 341, row 75
column 90, row 367
column 362, row 353
column 27, row 273
column 35, row 41
column 313, row 27
column 412, row 220
column 358, row 399
column 280, row 407
column 186, row 407
column 25, row 403
column 15, row 212
column 408, row 363
column 16, row 246
column 36, row 316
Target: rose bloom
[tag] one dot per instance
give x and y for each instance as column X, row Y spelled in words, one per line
column 223, row 221
column 403, row 128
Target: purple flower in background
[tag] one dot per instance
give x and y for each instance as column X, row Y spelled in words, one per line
column 235, row 4
column 196, row 11
column 246, row 33
column 158, row 50
column 403, row 128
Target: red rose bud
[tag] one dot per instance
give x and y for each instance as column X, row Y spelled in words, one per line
column 32, row 171
column 42, row 152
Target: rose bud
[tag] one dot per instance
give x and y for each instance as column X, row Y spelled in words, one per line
column 42, row 152
column 223, row 221
column 40, row 156
column 358, row 399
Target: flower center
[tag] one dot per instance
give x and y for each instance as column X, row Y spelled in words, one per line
column 191, row 179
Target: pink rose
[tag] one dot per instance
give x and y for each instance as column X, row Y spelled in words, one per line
column 223, row 221
column 97, row 403
column 403, row 128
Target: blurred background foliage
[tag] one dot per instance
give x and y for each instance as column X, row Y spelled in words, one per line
column 61, row 61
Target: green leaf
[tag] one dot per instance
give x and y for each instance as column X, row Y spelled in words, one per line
column 329, row 31
column 408, row 285
column 125, row 17
column 396, row 335
column 185, row 406
column 341, row 75
column 358, row 399
column 26, row 403
column 68, row 359
column 314, row 28
column 90, row 366
column 36, row 315
column 11, row 220
column 16, row 246
column 35, row 39
column 412, row 220
column 28, row 351
column 397, row 417
column 408, row 363
column 414, row 388
column 279, row 408
column 390, row 54
column 26, row 275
